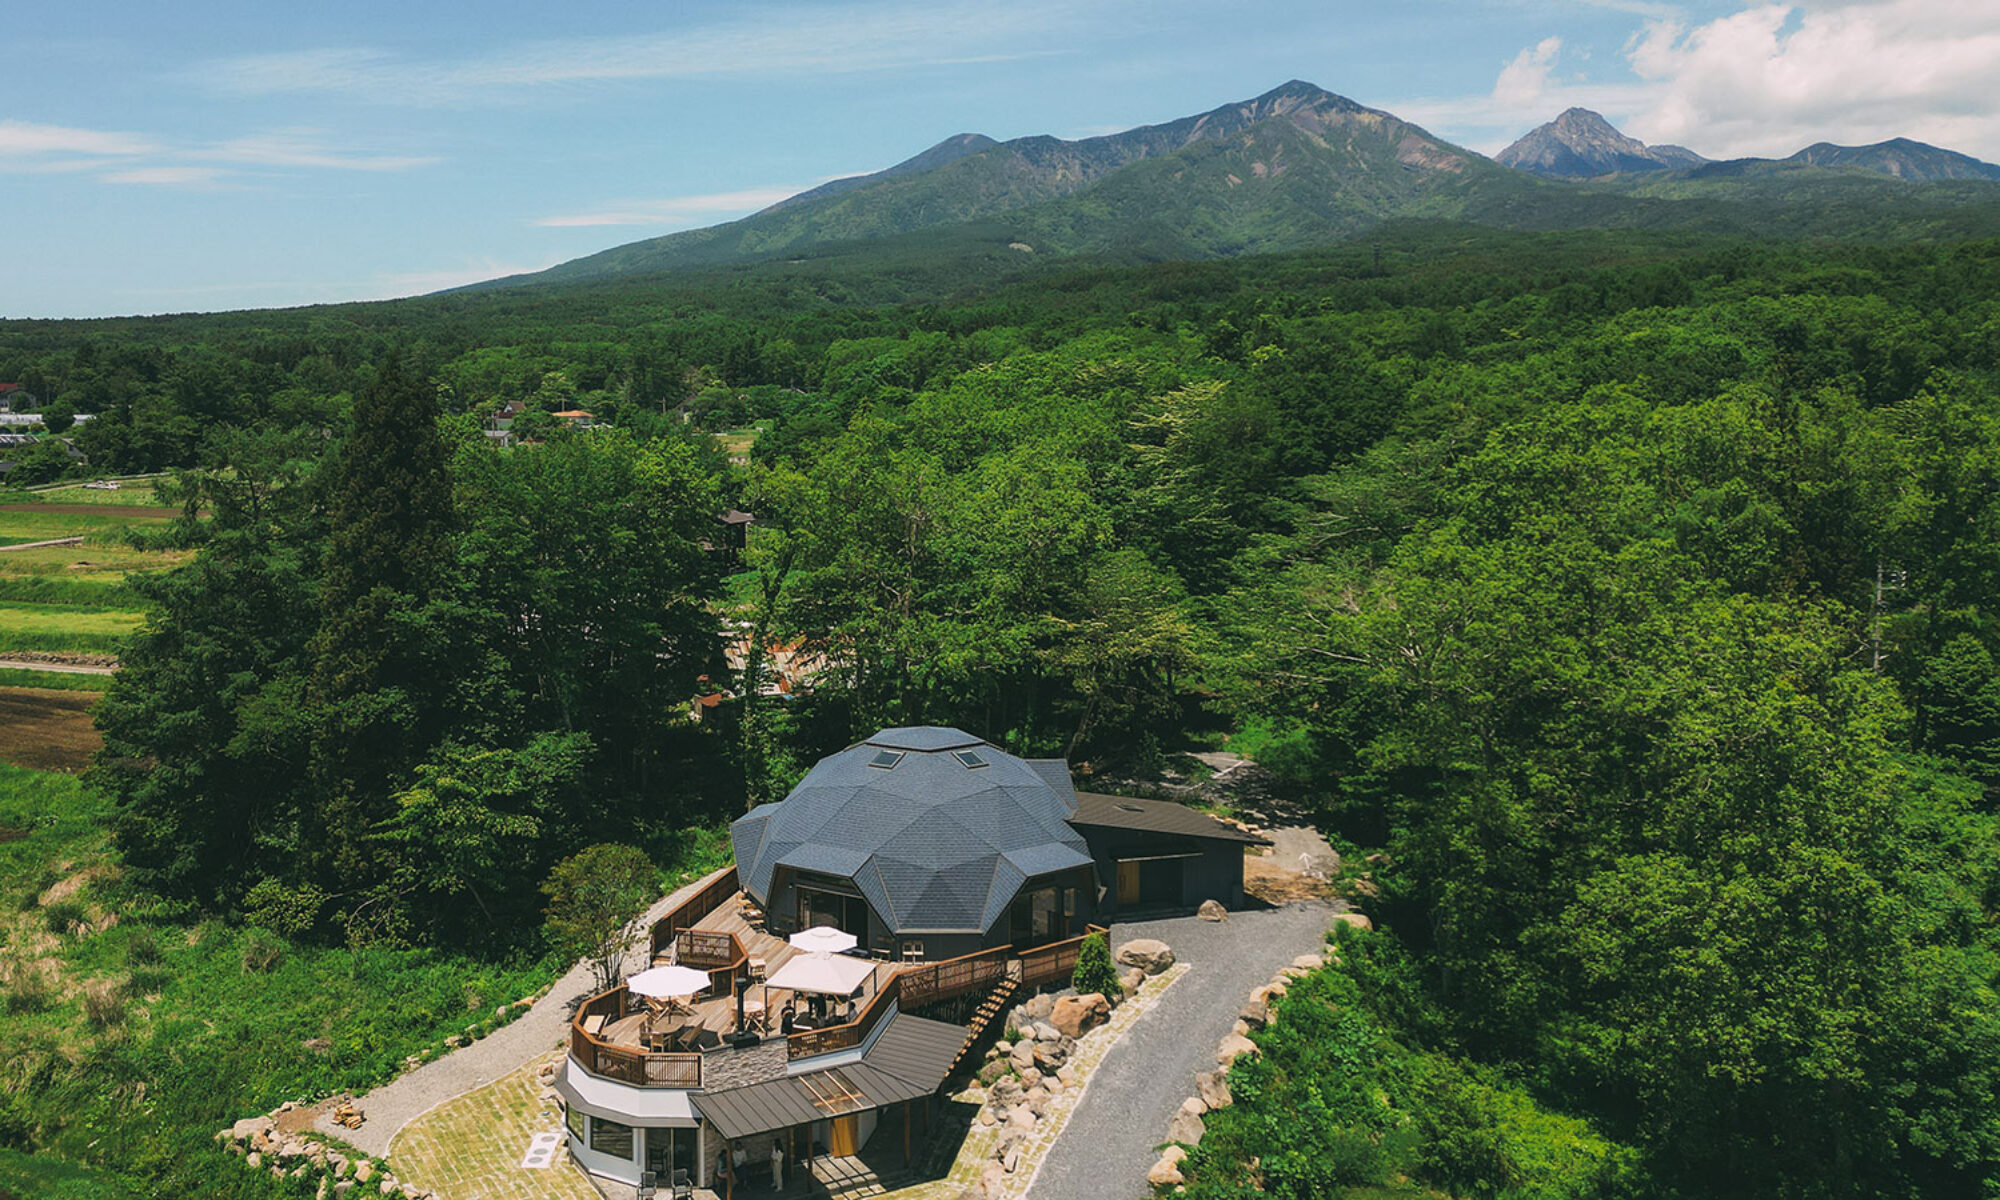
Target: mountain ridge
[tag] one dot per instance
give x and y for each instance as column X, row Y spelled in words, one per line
column 1294, row 167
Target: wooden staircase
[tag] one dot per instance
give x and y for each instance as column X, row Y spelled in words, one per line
column 989, row 1011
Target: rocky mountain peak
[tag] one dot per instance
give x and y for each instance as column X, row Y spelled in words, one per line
column 1581, row 144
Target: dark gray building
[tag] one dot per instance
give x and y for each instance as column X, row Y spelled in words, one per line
column 929, row 842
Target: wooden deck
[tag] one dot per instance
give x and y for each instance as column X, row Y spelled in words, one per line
column 704, row 1024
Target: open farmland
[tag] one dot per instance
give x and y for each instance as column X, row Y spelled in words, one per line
column 66, row 604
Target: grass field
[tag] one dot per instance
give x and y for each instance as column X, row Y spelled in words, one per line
column 85, row 628
column 140, row 494
column 132, row 1028
column 70, row 602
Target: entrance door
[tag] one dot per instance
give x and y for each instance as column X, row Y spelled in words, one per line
column 1128, row 884
column 669, row 1150
column 845, row 1139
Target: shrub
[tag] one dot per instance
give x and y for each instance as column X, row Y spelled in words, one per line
column 65, row 917
column 289, row 910
column 142, row 949
column 28, row 991
column 261, row 952
column 104, row 1002
column 1094, row 972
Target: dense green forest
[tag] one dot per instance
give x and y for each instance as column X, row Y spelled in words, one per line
column 1629, row 592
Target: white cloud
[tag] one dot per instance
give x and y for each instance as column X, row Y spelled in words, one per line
column 1767, row 80
column 25, row 139
column 302, row 148
column 167, row 176
column 818, row 39
column 1772, row 78
column 676, row 209
column 1522, row 81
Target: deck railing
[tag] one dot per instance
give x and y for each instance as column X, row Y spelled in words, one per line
column 850, row 1035
column 977, row 971
column 711, row 896
column 626, row 1064
column 1057, row 960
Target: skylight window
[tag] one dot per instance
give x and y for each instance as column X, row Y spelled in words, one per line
column 886, row 759
column 969, row 759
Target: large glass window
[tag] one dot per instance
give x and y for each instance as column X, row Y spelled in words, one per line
column 610, row 1137
column 576, row 1121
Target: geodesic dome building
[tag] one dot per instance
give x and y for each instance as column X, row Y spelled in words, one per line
column 923, row 842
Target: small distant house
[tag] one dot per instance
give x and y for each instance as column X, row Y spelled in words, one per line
column 503, row 417
column 575, row 418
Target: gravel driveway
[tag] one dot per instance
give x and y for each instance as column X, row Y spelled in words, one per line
column 1110, row 1141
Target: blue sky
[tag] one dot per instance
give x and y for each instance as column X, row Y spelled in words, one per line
column 201, row 156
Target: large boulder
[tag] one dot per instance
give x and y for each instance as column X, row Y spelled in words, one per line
column 1148, row 954
column 1257, row 1010
column 1212, row 910
column 1078, row 1015
column 1167, row 1171
column 1214, row 1089
column 1233, row 1047
column 1039, row 1007
column 1358, row 920
column 1187, row 1125
column 1132, row 979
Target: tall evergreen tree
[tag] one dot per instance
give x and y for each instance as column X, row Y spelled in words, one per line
column 380, row 678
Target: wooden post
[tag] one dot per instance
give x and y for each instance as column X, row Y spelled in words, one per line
column 906, row 1135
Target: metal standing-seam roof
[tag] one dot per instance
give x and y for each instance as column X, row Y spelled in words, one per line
column 935, row 840
column 907, row 1060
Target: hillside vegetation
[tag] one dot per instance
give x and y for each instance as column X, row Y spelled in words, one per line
column 1629, row 592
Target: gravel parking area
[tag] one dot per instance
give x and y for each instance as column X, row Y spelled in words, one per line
column 1111, row 1139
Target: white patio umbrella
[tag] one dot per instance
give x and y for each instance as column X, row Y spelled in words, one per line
column 826, row 974
column 658, row 983
column 823, row 939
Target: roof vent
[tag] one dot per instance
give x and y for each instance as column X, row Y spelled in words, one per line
column 969, row 759
column 886, row 759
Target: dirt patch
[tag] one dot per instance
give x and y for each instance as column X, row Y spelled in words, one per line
column 300, row 1119
column 47, row 730
column 1276, row 885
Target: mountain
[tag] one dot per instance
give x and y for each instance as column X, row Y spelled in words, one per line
column 1900, row 157
column 1297, row 165
column 1579, row 144
column 1296, row 168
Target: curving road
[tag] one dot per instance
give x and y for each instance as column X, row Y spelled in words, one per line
column 1111, row 1139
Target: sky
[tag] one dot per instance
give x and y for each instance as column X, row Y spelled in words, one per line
column 223, row 154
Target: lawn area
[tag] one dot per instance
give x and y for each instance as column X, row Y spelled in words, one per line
column 132, row 1028
column 471, row 1148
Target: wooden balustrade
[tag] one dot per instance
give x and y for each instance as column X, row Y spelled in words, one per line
column 850, row 1035
column 707, row 899
column 953, row 976
column 1057, row 960
column 626, row 1064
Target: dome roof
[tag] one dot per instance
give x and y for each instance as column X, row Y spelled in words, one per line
column 936, row 828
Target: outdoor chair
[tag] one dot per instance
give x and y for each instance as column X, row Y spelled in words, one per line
column 649, row 1185
column 683, row 1185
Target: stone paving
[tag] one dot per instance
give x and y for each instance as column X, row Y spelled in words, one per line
column 470, row 1148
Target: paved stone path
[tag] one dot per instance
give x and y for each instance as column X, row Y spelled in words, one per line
column 1110, row 1140
column 529, row 1036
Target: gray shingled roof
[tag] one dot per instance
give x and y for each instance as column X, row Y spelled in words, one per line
column 933, row 844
